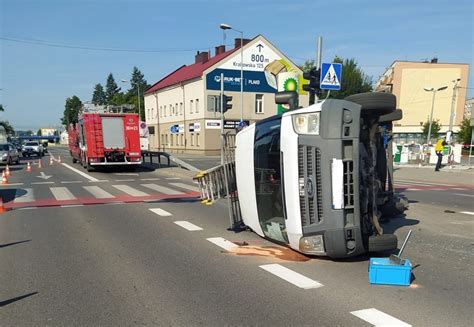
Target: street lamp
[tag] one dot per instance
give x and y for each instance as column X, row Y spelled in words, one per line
column 453, row 103
column 228, row 27
column 431, row 89
column 138, row 98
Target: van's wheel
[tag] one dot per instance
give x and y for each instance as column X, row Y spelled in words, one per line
column 376, row 103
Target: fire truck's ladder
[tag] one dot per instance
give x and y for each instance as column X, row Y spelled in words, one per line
column 220, row 182
column 97, row 134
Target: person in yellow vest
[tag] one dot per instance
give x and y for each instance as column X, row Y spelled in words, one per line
column 439, row 147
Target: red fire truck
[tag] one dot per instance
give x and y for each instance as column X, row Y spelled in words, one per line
column 105, row 136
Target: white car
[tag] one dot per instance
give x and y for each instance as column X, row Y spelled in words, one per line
column 32, row 148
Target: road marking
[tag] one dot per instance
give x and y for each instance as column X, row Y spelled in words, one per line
column 124, row 180
column 149, row 179
column 186, row 187
column 101, row 181
column 412, row 189
column 70, row 182
column 421, row 183
column 83, row 174
column 26, row 197
column 11, row 184
column 436, row 189
column 98, row 193
column 72, row 206
column 160, row 212
column 126, row 174
column 41, row 183
column 467, row 213
column 27, row 208
column 378, row 318
column 223, row 243
column 187, row 225
column 62, row 193
column 291, row 276
column 462, row 194
column 171, row 178
column 460, row 189
column 162, row 189
column 130, row 190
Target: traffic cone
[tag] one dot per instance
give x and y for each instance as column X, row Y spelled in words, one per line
column 7, row 171
column 4, row 178
column 39, row 164
column 28, row 167
column 2, row 207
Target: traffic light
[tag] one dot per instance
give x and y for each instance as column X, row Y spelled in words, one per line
column 227, row 103
column 313, row 76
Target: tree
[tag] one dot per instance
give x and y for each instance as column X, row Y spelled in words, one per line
column 8, row 128
column 98, row 97
column 138, row 83
column 435, row 128
column 465, row 132
column 111, row 89
column 308, row 65
column 71, row 110
column 1, row 107
column 29, row 133
column 122, row 98
column 38, row 133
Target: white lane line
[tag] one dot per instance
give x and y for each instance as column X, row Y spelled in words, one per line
column 83, row 174
column 186, row 187
column 72, row 206
column 124, row 180
column 62, row 193
column 126, row 174
column 98, row 193
column 171, row 178
column 460, row 188
column 436, row 189
column 149, row 179
column 162, row 189
column 187, row 225
column 462, row 194
column 422, row 183
column 378, row 318
column 11, row 184
column 412, row 189
column 101, row 181
column 160, row 212
column 467, row 213
column 223, row 243
column 71, row 182
column 26, row 197
column 291, row 276
column 41, row 183
column 130, row 190
column 27, row 208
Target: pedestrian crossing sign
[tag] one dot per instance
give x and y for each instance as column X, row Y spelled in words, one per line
column 330, row 76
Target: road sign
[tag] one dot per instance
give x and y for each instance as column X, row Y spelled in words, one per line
column 174, row 128
column 331, row 76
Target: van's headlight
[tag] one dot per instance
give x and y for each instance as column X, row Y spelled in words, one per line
column 312, row 244
column 306, row 123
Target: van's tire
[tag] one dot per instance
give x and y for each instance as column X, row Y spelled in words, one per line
column 395, row 115
column 372, row 102
column 383, row 242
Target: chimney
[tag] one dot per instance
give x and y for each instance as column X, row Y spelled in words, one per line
column 434, row 60
column 220, row 49
column 237, row 42
column 201, row 57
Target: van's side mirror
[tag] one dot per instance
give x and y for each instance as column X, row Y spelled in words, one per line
column 289, row 98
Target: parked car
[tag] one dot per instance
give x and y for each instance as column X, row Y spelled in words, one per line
column 9, row 154
column 32, row 148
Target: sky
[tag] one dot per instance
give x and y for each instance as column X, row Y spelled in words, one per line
column 49, row 48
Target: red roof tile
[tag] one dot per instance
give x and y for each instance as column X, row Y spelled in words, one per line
column 185, row 73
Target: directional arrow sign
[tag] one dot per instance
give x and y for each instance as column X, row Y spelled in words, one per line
column 43, row 176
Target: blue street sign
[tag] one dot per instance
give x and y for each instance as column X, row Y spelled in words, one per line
column 330, row 76
column 174, row 128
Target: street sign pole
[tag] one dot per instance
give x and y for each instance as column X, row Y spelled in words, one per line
column 222, row 118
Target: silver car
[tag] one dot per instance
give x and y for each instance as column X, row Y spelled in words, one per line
column 9, row 154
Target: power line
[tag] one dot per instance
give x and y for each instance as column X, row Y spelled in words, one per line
column 92, row 48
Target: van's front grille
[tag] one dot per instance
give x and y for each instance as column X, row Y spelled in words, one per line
column 348, row 166
column 310, row 188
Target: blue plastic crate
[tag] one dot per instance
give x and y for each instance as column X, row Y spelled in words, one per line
column 383, row 271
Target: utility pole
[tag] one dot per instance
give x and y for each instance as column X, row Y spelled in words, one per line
column 453, row 105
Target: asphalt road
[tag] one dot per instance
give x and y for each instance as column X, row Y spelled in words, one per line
column 68, row 260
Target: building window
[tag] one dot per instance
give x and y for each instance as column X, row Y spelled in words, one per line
column 259, row 103
column 197, row 105
column 164, row 111
column 192, row 139
column 197, row 139
column 166, row 139
column 148, row 116
column 213, row 104
column 181, row 108
column 171, row 138
column 191, row 106
column 176, row 110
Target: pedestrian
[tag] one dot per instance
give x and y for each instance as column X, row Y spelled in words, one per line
column 439, row 147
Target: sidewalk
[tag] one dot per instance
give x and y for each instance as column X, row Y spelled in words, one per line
column 464, row 176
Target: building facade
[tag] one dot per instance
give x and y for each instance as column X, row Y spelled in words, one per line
column 182, row 110
column 411, row 82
